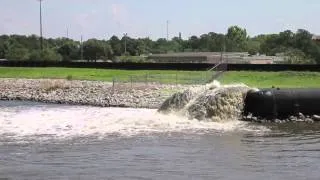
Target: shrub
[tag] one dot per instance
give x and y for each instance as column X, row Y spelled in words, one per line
column 18, row 54
column 52, row 85
column 69, row 77
column 45, row 55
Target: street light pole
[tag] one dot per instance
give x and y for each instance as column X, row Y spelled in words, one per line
column 41, row 37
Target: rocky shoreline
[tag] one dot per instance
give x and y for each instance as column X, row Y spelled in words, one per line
column 93, row 93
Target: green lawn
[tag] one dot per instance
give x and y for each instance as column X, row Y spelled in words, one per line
column 285, row 79
column 163, row 76
column 251, row 78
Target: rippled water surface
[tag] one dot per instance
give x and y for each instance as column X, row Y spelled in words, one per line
column 40, row 141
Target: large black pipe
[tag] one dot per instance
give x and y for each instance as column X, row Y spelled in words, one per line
column 282, row 103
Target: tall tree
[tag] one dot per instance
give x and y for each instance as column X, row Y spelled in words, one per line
column 17, row 53
column 93, row 50
column 236, row 39
column 194, row 43
column 69, row 50
column 45, row 55
column 116, row 45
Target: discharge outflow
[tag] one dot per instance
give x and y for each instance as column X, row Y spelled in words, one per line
column 44, row 122
column 214, row 102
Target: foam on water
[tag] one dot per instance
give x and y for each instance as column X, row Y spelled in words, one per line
column 68, row 122
column 214, row 103
column 77, row 121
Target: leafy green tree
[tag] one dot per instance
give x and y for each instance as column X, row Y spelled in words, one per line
column 144, row 46
column 174, row 46
column 303, row 41
column 204, row 42
column 45, row 55
column 14, row 50
column 297, row 56
column 93, row 50
column 116, row 46
column 296, row 45
column 131, row 45
column 236, row 39
column 2, row 51
column 69, row 50
column 218, row 42
column 3, row 39
column 270, row 45
column 253, row 47
column 194, row 43
column 314, row 52
column 107, row 51
column 160, row 46
column 141, row 47
column 17, row 54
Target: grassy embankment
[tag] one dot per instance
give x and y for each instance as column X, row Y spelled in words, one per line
column 253, row 79
column 163, row 76
column 285, row 79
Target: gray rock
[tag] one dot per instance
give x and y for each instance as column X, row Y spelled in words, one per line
column 309, row 120
column 301, row 116
column 82, row 92
column 316, row 118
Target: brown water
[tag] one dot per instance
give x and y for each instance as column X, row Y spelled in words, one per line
column 39, row 141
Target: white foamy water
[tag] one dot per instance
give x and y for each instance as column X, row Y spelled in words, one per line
column 69, row 121
column 212, row 102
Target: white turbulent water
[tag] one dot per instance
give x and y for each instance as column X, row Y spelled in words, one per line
column 73, row 121
column 215, row 102
column 70, row 121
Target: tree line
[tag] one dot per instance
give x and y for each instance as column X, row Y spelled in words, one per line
column 296, row 47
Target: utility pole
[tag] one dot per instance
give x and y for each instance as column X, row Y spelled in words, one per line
column 81, row 48
column 167, row 30
column 41, row 37
column 223, row 49
column 125, row 43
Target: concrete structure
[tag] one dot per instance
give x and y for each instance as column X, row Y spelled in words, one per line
column 213, row 57
column 193, row 57
column 316, row 38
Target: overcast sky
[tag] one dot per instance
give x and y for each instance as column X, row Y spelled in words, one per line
column 142, row 18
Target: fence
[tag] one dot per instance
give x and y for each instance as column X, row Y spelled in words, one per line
column 176, row 78
column 172, row 78
column 164, row 85
column 165, row 66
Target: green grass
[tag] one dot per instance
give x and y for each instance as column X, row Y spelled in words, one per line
column 163, row 76
column 251, row 78
column 285, row 79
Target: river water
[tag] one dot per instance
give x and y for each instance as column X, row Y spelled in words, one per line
column 41, row 141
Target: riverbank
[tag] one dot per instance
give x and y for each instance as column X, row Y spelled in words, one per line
column 93, row 93
column 283, row 79
column 107, row 75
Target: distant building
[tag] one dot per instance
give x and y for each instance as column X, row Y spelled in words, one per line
column 213, row 58
column 194, row 57
column 316, row 38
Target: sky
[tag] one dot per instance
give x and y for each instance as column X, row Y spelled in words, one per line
column 148, row 18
